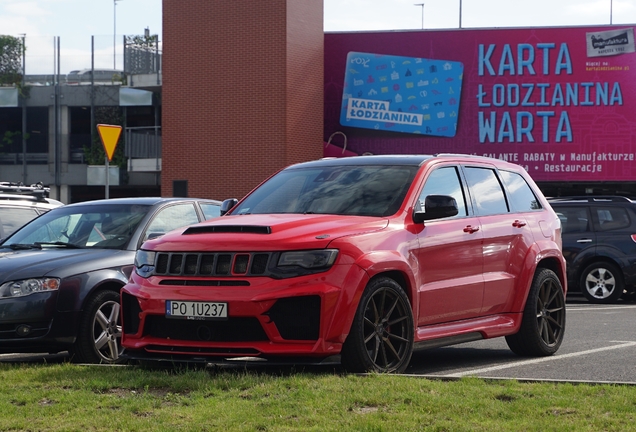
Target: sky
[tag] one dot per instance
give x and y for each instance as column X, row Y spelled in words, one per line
column 75, row 21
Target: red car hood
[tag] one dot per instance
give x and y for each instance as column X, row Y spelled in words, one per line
column 265, row 233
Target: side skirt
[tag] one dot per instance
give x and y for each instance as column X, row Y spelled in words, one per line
column 445, row 341
column 457, row 332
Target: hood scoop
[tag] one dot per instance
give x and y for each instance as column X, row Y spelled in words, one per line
column 209, row 229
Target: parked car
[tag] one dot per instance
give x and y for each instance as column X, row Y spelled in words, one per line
column 599, row 245
column 62, row 272
column 364, row 257
column 98, row 76
column 20, row 203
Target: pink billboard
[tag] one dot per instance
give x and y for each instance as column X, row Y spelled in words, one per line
column 559, row 101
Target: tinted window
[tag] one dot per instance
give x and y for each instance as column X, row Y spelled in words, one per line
column 611, row 218
column 342, row 190
column 12, row 218
column 521, row 196
column 445, row 181
column 210, row 210
column 173, row 217
column 486, row 191
column 573, row 219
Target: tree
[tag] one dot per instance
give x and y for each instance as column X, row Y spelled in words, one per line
column 9, row 137
column 11, row 49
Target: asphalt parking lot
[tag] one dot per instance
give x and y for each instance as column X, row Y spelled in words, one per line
column 599, row 347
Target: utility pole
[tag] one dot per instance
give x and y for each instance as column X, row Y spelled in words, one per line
column 422, row 6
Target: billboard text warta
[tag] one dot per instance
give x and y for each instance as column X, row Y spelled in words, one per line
column 559, row 101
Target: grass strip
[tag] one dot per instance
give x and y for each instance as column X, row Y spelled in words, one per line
column 66, row 397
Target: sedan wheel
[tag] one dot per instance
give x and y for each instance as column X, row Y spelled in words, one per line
column 107, row 332
column 381, row 337
column 99, row 336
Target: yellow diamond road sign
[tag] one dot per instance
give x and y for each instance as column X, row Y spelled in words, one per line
column 110, row 136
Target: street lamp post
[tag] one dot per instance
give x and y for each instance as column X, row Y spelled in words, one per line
column 422, row 6
column 115, row 33
column 611, row 5
column 24, row 112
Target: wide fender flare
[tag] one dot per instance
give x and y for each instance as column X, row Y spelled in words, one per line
column 536, row 254
column 372, row 264
column 76, row 289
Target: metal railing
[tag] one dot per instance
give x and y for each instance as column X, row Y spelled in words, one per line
column 143, row 142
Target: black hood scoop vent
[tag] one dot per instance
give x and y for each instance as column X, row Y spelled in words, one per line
column 208, row 229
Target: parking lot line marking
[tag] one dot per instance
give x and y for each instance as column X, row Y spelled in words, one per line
column 540, row 360
column 585, row 308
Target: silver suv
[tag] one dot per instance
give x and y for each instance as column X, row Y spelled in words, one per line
column 19, row 204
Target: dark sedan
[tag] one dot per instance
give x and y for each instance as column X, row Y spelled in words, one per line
column 60, row 274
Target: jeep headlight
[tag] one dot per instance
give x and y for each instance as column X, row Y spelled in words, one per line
column 309, row 259
column 145, row 263
column 25, row 287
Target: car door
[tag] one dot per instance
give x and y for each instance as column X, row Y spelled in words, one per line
column 579, row 241
column 614, row 232
column 507, row 237
column 449, row 255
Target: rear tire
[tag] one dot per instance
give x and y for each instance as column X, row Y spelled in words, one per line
column 381, row 336
column 602, row 282
column 99, row 335
column 543, row 321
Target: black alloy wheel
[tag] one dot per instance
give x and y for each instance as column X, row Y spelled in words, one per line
column 543, row 322
column 381, row 337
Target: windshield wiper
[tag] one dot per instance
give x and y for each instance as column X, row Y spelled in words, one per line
column 23, row 246
column 57, row 243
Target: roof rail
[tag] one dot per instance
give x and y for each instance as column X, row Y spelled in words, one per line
column 468, row 156
column 36, row 190
column 594, row 198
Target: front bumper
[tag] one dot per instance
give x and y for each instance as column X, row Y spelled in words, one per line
column 33, row 324
column 307, row 316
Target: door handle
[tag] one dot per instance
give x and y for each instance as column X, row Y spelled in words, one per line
column 470, row 229
column 518, row 224
column 584, row 241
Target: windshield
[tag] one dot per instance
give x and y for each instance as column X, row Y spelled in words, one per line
column 341, row 190
column 107, row 226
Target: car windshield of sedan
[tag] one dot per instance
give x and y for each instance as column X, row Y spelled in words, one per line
column 359, row 190
column 105, row 226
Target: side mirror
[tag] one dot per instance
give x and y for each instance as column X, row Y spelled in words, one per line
column 436, row 207
column 228, row 205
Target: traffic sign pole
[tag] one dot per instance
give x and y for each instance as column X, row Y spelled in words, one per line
column 107, row 177
column 109, row 135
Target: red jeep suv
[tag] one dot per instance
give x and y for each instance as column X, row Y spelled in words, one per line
column 366, row 258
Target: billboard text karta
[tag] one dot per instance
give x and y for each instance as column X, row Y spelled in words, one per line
column 559, row 101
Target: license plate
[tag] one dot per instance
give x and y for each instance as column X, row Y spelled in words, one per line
column 195, row 310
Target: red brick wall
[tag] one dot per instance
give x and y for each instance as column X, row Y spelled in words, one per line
column 242, row 92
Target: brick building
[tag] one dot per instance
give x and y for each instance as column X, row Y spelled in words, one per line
column 242, row 93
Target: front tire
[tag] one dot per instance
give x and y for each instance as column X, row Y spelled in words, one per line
column 602, row 282
column 543, row 321
column 99, row 335
column 381, row 336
